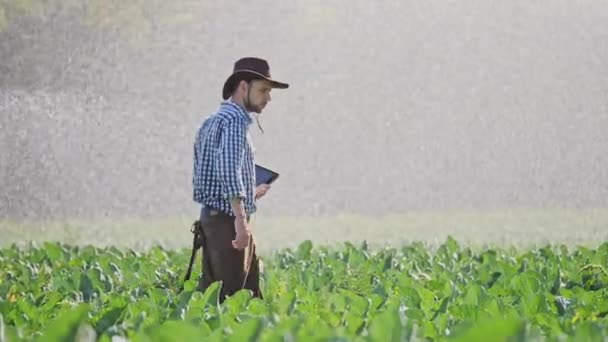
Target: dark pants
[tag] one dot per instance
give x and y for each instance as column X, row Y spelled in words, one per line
column 236, row 269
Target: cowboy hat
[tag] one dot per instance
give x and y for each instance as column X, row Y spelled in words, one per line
column 250, row 68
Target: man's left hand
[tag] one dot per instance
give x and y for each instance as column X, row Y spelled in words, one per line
column 261, row 190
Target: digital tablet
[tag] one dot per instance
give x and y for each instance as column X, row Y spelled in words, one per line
column 264, row 175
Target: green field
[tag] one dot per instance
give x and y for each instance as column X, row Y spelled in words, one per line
column 492, row 276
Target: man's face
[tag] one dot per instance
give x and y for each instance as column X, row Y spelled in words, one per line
column 259, row 95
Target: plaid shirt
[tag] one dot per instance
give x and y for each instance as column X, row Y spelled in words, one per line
column 223, row 160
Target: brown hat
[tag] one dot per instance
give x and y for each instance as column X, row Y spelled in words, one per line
column 250, row 68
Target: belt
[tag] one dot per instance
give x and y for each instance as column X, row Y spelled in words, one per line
column 208, row 211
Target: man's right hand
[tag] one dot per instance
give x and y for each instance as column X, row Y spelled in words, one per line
column 242, row 234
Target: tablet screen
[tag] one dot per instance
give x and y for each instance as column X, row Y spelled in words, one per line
column 264, row 175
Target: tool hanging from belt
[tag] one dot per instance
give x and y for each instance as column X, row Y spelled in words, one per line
column 198, row 242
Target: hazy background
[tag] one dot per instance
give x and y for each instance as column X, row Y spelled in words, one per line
column 393, row 105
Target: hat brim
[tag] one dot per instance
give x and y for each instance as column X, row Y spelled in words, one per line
column 229, row 84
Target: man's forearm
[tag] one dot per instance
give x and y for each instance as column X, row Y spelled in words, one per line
column 238, row 208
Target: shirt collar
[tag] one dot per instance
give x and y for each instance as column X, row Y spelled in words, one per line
column 248, row 116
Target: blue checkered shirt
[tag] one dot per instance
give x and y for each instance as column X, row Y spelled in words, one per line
column 223, row 159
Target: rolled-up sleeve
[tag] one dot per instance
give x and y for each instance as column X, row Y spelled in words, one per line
column 230, row 161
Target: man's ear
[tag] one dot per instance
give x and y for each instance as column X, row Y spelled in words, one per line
column 243, row 85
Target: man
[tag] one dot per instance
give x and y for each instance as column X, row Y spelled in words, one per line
column 224, row 180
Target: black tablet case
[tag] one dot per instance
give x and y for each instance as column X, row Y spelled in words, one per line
column 264, row 175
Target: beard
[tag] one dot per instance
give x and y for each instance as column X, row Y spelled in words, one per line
column 254, row 108
column 251, row 107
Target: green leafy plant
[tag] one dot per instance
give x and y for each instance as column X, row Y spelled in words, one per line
column 60, row 292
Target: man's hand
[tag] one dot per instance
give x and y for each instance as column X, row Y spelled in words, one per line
column 243, row 234
column 261, row 190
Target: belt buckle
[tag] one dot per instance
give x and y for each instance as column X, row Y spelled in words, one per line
column 209, row 211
